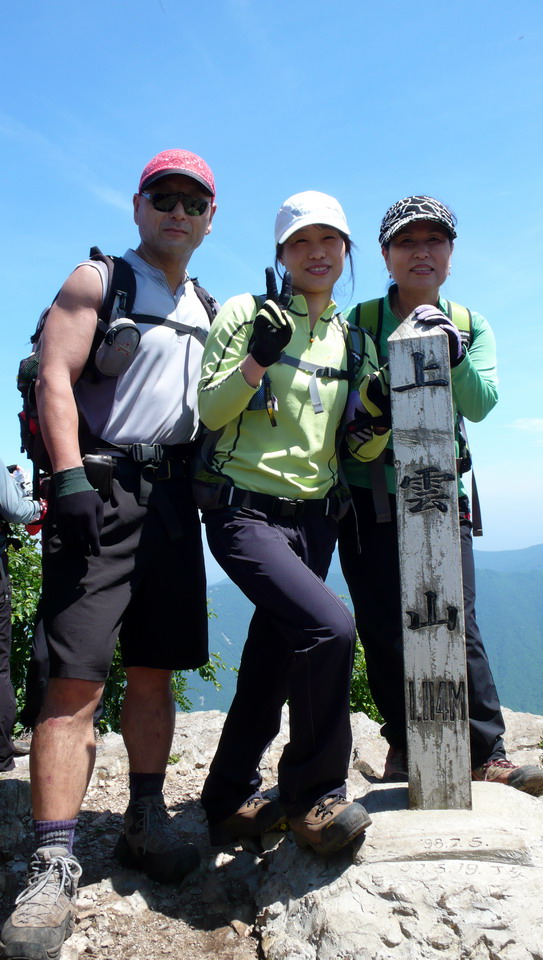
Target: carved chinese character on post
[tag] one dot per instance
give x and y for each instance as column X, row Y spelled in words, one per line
column 431, row 576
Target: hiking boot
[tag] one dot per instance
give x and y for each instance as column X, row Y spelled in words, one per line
column 529, row 779
column 150, row 843
column 44, row 914
column 396, row 766
column 330, row 825
column 255, row 817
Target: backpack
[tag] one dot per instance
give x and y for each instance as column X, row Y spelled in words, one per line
column 370, row 316
column 118, row 302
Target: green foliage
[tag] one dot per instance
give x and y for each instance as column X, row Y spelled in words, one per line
column 113, row 695
column 25, row 572
column 361, row 698
column 180, row 681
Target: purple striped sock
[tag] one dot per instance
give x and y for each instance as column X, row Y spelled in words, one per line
column 55, row 833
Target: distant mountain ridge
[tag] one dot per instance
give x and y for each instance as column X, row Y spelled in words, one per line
column 509, row 612
column 510, row 561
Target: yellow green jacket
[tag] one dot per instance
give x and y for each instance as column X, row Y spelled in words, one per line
column 297, row 458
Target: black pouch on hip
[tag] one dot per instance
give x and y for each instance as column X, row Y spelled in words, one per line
column 99, row 473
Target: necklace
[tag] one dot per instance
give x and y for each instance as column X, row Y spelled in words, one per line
column 396, row 308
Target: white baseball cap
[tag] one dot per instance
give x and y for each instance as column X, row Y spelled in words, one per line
column 308, row 208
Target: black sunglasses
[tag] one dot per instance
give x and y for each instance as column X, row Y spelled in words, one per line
column 166, row 202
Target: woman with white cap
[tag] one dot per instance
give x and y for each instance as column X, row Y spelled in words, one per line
column 417, row 238
column 274, row 384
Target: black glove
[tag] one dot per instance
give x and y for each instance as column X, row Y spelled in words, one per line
column 375, row 396
column 272, row 327
column 79, row 512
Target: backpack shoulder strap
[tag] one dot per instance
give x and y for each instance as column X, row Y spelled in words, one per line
column 369, row 315
column 121, row 286
column 208, row 302
column 462, row 318
column 355, row 341
column 121, row 294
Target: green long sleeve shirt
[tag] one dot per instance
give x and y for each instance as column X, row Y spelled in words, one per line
column 474, row 384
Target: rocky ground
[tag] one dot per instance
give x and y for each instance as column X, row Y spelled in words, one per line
column 121, row 914
column 214, row 914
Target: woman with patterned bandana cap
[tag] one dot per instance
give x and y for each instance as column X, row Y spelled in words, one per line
column 417, row 238
column 273, row 529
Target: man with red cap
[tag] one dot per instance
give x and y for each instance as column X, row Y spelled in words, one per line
column 122, row 543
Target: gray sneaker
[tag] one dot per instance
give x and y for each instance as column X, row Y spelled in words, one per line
column 150, row 843
column 44, row 914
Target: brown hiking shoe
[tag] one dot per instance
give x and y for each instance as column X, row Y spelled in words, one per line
column 396, row 766
column 255, row 817
column 529, row 779
column 44, row 914
column 330, row 825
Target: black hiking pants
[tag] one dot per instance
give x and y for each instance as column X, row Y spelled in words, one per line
column 300, row 647
column 373, row 578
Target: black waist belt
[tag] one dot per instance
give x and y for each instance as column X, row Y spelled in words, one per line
column 278, row 506
column 148, row 452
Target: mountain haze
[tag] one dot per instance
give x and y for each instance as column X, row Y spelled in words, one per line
column 509, row 612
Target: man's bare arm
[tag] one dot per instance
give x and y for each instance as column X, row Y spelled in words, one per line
column 66, row 343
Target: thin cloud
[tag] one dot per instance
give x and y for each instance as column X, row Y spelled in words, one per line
column 532, row 425
column 111, row 197
column 59, row 157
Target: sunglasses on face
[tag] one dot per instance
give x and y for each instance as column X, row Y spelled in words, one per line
column 166, row 202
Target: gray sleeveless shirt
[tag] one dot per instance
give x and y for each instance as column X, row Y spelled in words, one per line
column 155, row 400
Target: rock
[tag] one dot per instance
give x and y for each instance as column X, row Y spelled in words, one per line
column 435, row 879
column 15, row 808
column 111, row 759
column 242, row 929
column 523, row 736
column 135, row 903
column 421, row 885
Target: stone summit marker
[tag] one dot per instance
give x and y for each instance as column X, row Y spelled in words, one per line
column 431, row 577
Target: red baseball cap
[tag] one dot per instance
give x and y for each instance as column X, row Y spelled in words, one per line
column 178, row 161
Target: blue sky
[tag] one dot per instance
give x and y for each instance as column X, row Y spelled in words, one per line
column 366, row 101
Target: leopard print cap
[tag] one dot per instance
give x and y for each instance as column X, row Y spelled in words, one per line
column 415, row 208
